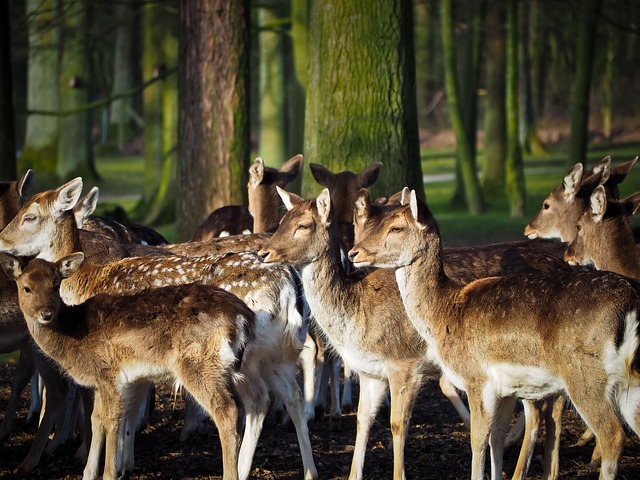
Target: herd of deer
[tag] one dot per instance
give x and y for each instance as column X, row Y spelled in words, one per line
column 231, row 316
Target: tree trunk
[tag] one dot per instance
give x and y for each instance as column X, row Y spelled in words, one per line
column 582, row 84
column 495, row 147
column 41, row 137
column 272, row 85
column 465, row 149
column 361, row 104
column 514, row 174
column 75, row 153
column 119, row 114
column 213, row 110
column 8, row 169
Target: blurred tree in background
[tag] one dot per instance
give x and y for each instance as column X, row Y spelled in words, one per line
column 349, row 85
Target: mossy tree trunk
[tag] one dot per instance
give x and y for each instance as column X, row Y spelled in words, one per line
column 514, row 165
column 495, row 147
column 465, row 144
column 213, row 154
column 272, row 98
column 75, row 153
column 8, row 169
column 587, row 21
column 41, row 137
column 361, row 104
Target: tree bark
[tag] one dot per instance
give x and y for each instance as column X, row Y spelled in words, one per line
column 361, row 103
column 514, row 165
column 41, row 138
column 8, row 169
column 75, row 152
column 465, row 149
column 213, row 110
column 582, row 85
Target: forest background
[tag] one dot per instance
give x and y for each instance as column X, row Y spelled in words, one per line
column 182, row 95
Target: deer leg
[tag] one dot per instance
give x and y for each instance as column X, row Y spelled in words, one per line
column 532, row 429
column 372, row 393
column 502, row 414
column 553, row 424
column 112, row 410
column 450, row 391
column 403, row 386
column 335, row 415
column 24, row 371
column 283, row 383
column 480, row 427
column 37, row 391
column 347, row 393
column 307, row 365
column 194, row 418
column 92, row 467
column 136, row 399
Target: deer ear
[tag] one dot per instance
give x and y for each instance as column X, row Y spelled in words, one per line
column 292, row 166
column 256, row 172
column 631, row 203
column 369, row 175
column 598, row 203
column 25, row 183
column 69, row 265
column 404, row 196
column 322, row 174
column 323, row 202
column 11, row 265
column 362, row 204
column 86, row 206
column 68, row 195
column 572, row 182
column 413, row 205
column 600, row 166
column 290, row 200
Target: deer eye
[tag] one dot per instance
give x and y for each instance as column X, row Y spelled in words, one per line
column 578, row 227
column 304, row 226
column 397, row 229
column 29, row 218
column 546, row 206
column 26, row 290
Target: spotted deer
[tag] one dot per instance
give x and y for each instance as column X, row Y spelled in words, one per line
column 577, row 334
column 362, row 319
column 604, row 237
column 562, row 208
column 193, row 335
column 263, row 212
column 45, row 227
column 466, row 264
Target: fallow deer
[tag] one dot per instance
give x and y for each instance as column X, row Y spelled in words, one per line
column 260, row 216
column 45, row 227
column 194, row 335
column 604, row 237
column 362, row 319
column 563, row 206
column 577, row 334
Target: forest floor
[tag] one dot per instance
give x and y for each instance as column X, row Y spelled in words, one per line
column 437, row 447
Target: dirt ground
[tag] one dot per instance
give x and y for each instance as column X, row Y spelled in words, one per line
column 437, row 447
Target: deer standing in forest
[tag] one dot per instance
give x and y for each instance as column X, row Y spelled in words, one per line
column 577, row 334
column 194, row 335
column 45, row 227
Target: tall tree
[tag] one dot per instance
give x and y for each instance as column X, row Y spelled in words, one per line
column 272, row 98
column 41, row 138
column 587, row 21
column 213, row 121
column 495, row 147
column 8, row 169
column 361, row 105
column 75, row 153
column 514, row 165
column 465, row 145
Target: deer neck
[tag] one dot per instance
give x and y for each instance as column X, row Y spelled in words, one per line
column 64, row 241
column 620, row 255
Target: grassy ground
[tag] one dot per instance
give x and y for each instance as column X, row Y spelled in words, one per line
column 123, row 180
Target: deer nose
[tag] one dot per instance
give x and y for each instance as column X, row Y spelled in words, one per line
column 352, row 255
column 46, row 315
column 263, row 254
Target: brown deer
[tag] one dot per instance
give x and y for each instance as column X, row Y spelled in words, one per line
column 260, row 216
column 604, row 237
column 563, row 206
column 193, row 335
column 577, row 334
column 362, row 319
column 45, row 227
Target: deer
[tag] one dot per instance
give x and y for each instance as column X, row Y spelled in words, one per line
column 604, row 237
column 361, row 318
column 572, row 339
column 562, row 208
column 260, row 216
column 45, row 227
column 194, row 335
